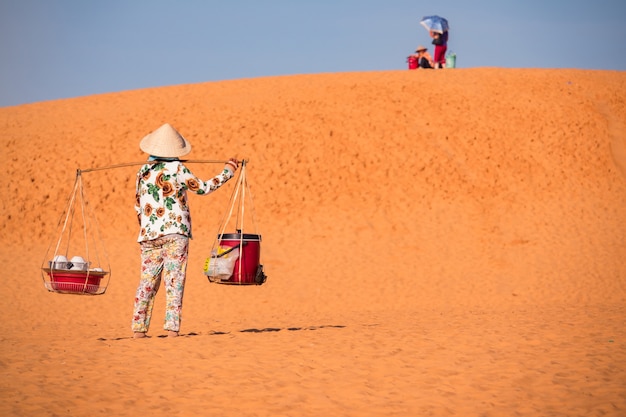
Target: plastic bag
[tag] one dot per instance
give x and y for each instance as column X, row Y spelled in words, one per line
column 221, row 265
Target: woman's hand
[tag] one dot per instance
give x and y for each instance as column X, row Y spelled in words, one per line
column 232, row 164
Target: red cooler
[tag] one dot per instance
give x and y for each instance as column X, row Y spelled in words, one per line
column 247, row 266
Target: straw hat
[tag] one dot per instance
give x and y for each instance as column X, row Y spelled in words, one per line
column 165, row 142
column 421, row 48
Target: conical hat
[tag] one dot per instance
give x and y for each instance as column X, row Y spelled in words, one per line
column 165, row 142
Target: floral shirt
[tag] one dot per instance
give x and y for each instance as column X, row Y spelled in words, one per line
column 161, row 192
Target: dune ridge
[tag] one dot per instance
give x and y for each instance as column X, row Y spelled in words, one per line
column 437, row 243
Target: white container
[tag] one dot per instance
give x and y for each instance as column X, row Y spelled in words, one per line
column 77, row 263
column 59, row 262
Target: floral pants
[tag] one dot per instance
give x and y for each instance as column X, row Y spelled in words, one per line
column 162, row 257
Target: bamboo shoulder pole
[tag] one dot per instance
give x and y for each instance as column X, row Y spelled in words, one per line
column 128, row 164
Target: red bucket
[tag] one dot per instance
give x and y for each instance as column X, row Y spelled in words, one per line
column 247, row 265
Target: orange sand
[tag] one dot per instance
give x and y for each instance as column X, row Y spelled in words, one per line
column 438, row 243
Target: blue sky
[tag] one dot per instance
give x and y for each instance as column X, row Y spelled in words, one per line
column 52, row 49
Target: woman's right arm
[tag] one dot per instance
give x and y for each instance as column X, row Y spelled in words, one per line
column 198, row 186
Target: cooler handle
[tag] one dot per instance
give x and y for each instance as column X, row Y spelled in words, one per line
column 229, row 250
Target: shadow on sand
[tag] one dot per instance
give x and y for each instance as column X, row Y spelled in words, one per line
column 252, row 330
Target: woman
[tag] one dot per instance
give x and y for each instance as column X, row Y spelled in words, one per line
column 440, row 40
column 424, row 60
column 165, row 224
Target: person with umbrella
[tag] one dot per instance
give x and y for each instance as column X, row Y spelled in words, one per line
column 438, row 29
column 440, row 40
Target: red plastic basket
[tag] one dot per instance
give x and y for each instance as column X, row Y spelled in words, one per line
column 76, row 282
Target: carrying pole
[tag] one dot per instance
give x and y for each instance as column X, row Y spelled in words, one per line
column 128, row 164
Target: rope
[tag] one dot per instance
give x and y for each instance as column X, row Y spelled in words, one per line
column 233, row 199
column 98, row 242
column 58, row 243
column 69, row 215
column 252, row 209
column 238, row 197
column 240, row 221
column 128, row 164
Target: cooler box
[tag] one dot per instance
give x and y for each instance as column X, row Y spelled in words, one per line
column 247, row 265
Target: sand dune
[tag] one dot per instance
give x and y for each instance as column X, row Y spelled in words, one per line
column 437, row 243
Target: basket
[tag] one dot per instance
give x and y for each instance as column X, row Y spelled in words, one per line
column 88, row 272
column 75, row 281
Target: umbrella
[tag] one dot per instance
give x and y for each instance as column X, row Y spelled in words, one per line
column 435, row 23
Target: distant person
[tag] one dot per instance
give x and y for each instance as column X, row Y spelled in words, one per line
column 440, row 40
column 165, row 224
column 422, row 58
